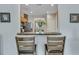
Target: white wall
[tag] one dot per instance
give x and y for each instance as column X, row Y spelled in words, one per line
column 70, row 30
column 52, row 19
column 23, row 9
column 9, row 30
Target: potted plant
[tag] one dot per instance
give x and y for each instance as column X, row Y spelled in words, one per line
column 41, row 23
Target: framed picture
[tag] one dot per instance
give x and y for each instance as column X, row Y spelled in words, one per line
column 5, row 17
column 74, row 18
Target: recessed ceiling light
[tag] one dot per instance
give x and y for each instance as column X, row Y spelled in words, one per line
column 26, row 4
column 39, row 4
column 31, row 12
column 52, row 4
column 47, row 11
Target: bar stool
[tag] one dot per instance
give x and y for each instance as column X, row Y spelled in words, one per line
column 55, row 45
column 26, row 45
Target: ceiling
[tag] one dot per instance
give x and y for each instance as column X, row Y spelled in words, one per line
column 40, row 9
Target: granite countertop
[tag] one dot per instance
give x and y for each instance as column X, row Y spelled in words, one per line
column 34, row 33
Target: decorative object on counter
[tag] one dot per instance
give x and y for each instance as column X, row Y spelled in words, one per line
column 25, row 25
column 22, row 29
column 28, row 27
column 5, row 17
column 74, row 18
column 40, row 24
column 24, row 19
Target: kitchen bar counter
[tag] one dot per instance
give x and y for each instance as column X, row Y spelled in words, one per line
column 36, row 33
